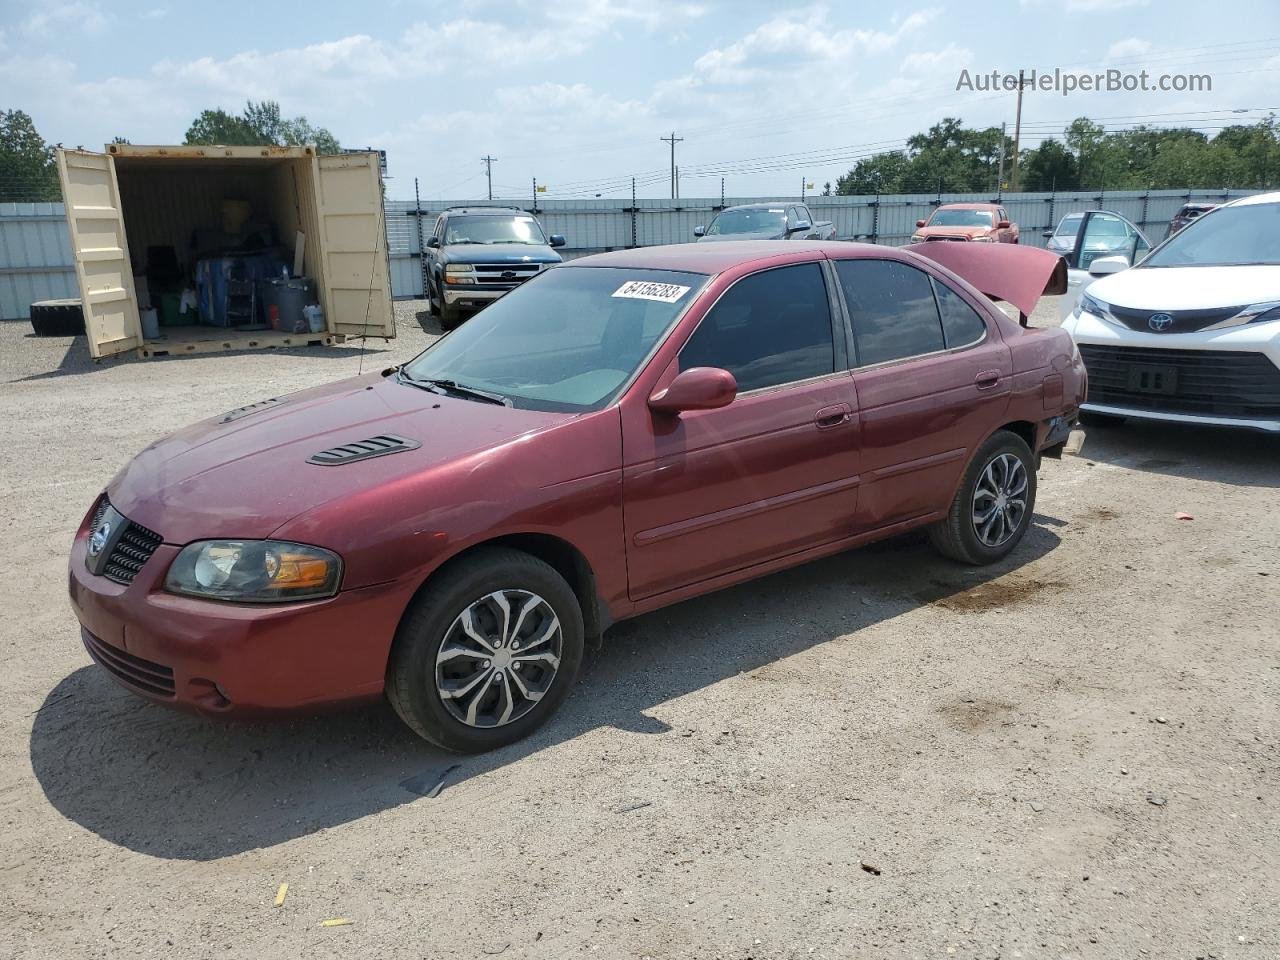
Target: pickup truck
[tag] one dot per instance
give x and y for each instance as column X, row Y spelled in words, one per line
column 477, row 254
column 766, row 221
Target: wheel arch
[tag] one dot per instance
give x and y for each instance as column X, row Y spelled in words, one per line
column 558, row 553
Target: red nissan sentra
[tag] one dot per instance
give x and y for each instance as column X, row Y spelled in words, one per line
column 620, row 433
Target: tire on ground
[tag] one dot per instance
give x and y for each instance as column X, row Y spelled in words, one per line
column 411, row 671
column 956, row 536
column 57, row 318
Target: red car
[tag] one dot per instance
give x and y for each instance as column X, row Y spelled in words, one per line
column 967, row 222
column 620, row 433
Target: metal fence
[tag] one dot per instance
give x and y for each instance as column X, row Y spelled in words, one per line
column 36, row 262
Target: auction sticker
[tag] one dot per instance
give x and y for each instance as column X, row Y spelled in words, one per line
column 646, row 290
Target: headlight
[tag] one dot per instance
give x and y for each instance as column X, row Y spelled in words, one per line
column 1259, row 313
column 981, row 239
column 1094, row 307
column 254, row 571
column 916, row 238
column 459, row 268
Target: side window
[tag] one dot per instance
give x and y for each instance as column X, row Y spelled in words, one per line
column 892, row 309
column 768, row 329
column 802, row 212
column 439, row 231
column 961, row 324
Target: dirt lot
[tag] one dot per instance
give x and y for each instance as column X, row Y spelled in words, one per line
column 1073, row 754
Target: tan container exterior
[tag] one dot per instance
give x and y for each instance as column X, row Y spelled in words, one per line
column 140, row 196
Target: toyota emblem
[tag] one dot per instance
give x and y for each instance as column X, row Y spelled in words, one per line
column 99, row 539
column 1160, row 322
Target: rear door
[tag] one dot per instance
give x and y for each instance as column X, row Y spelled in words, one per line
column 774, row 472
column 101, row 249
column 354, row 245
column 932, row 380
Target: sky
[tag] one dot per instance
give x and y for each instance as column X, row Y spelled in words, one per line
column 579, row 93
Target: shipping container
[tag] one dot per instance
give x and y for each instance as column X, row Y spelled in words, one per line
column 153, row 219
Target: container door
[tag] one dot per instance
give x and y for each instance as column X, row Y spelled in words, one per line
column 94, row 215
column 354, row 245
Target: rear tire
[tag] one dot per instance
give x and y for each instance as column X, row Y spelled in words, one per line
column 482, row 694
column 992, row 509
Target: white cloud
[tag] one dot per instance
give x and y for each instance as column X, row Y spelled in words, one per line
column 1095, row 6
column 52, row 18
column 1128, row 48
column 155, row 13
column 800, row 42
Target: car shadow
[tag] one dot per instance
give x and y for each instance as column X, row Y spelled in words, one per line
column 1243, row 458
column 181, row 787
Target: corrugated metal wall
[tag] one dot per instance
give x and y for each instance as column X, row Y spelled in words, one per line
column 35, row 258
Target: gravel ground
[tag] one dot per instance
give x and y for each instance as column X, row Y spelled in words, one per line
column 1072, row 754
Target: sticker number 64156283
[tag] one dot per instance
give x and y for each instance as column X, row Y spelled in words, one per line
column 647, row 290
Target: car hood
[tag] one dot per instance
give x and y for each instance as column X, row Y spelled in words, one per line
column 1188, row 288
column 969, row 232
column 500, row 253
column 245, row 477
column 758, row 235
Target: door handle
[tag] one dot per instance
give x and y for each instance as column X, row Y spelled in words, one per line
column 832, row 416
column 987, row 379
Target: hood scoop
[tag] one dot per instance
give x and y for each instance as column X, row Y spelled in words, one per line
column 244, row 411
column 379, row 446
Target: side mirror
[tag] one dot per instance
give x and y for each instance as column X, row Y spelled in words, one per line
column 557, row 240
column 1047, row 234
column 1106, row 265
column 1003, row 225
column 919, row 223
column 800, row 226
column 433, row 242
column 699, row 388
column 699, row 231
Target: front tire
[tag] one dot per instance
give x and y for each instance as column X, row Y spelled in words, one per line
column 450, row 317
column 992, row 509
column 487, row 652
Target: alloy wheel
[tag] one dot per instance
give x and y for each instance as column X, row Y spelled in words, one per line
column 1000, row 500
column 499, row 658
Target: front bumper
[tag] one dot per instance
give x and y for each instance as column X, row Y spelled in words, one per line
column 222, row 658
column 1227, row 378
column 469, row 295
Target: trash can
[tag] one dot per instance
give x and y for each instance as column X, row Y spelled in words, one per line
column 287, row 297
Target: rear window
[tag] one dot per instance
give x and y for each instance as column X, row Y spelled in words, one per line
column 892, row 309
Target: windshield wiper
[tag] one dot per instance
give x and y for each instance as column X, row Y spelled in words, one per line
column 435, row 385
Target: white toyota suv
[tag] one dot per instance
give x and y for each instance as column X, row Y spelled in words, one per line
column 1191, row 334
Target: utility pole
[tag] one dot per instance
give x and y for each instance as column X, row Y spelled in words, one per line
column 1000, row 175
column 488, row 171
column 677, row 183
column 1017, row 139
column 673, row 140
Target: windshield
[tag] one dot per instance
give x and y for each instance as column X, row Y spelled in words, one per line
column 569, row 339
column 942, row 217
column 493, row 230
column 1068, row 226
column 1226, row 237
column 772, row 220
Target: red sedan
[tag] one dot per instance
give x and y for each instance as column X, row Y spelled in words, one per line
column 620, row 433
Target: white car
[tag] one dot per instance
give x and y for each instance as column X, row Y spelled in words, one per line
column 1094, row 235
column 1191, row 334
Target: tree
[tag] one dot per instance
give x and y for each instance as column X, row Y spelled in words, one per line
column 1049, row 166
column 260, row 124
column 27, row 168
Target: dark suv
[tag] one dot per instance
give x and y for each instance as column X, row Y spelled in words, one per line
column 476, row 254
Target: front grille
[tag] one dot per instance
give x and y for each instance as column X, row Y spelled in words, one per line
column 1223, row 383
column 133, row 546
column 1184, row 321
column 144, row 675
column 491, row 275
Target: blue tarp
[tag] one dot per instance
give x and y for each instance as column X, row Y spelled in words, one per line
column 212, row 274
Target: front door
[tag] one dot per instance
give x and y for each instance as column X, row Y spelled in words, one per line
column 932, row 380
column 774, row 472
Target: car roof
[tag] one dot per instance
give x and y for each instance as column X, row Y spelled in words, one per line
column 486, row 211
column 772, row 205
column 968, row 206
column 713, row 258
column 1273, row 197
